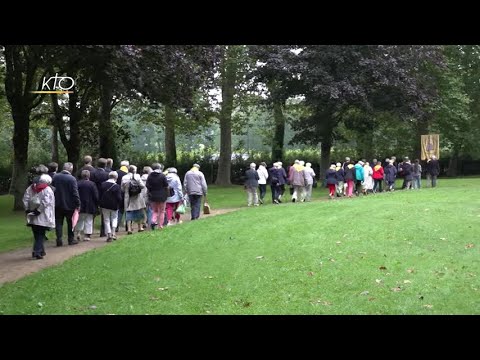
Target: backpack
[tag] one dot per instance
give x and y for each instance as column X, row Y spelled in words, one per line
column 134, row 188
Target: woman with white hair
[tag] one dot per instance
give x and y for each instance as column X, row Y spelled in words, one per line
column 309, row 176
column 251, row 185
column 147, row 170
column 39, row 204
column 174, row 201
column 132, row 186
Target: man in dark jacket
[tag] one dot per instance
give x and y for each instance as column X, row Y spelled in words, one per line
column 67, row 200
column 251, row 185
column 433, row 170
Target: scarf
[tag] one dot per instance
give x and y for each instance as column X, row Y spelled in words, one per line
column 39, row 187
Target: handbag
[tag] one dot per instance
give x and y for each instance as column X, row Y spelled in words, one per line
column 180, row 209
column 206, row 207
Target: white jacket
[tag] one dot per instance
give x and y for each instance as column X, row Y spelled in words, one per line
column 47, row 207
column 262, row 175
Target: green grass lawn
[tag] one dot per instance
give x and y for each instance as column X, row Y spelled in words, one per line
column 410, row 252
column 16, row 235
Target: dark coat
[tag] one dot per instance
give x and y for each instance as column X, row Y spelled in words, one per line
column 407, row 170
column 331, row 177
column 350, row 174
column 66, row 191
column 157, row 186
column 390, row 172
column 110, row 196
column 121, row 174
column 88, row 196
column 282, row 178
column 340, row 174
column 433, row 167
column 101, row 175
column 251, row 178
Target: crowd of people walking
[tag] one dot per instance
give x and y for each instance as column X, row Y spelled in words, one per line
column 158, row 198
column 151, row 200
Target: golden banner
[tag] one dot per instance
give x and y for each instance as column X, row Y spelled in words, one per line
column 430, row 146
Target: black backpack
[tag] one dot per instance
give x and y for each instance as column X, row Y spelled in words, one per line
column 134, row 188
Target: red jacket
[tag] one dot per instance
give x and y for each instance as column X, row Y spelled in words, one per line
column 377, row 172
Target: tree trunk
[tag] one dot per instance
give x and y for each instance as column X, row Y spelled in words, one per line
column 20, row 151
column 73, row 152
column 55, row 155
column 325, row 149
column 170, row 147
column 279, row 133
column 453, row 164
column 22, row 64
column 106, row 131
column 229, row 75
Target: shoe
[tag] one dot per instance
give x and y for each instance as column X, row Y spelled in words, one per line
column 261, row 201
column 276, row 202
column 43, row 253
column 86, row 239
column 109, row 239
column 129, row 232
column 179, row 221
column 255, row 205
column 74, row 242
column 38, row 257
column 140, row 230
column 114, row 237
column 59, row 243
column 293, row 200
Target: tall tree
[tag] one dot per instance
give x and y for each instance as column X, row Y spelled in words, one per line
column 24, row 73
column 229, row 69
column 336, row 77
column 172, row 75
column 275, row 71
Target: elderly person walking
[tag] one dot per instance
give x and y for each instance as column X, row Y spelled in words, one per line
column 67, row 200
column 88, row 192
column 39, row 203
column 251, row 184
column 147, row 170
column 195, row 187
column 174, row 201
column 157, row 186
column 432, row 170
column 134, row 203
column 297, row 180
column 262, row 180
column 110, row 201
column 309, row 176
